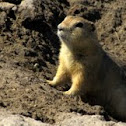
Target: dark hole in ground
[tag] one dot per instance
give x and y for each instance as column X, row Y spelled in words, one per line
column 78, row 110
column 12, row 15
column 39, row 25
column 65, row 2
column 13, row 1
column 93, row 15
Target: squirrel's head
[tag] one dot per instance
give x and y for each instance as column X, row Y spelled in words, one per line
column 75, row 30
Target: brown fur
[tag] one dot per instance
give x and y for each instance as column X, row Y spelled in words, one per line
column 90, row 70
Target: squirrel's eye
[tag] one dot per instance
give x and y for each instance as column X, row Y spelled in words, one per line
column 80, row 25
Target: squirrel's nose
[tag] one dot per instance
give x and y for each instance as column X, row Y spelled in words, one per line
column 60, row 28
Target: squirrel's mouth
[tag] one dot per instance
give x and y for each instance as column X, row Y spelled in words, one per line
column 61, row 34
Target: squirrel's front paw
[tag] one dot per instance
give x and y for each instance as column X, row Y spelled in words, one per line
column 70, row 92
column 50, row 82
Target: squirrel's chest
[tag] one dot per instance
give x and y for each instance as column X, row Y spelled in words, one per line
column 72, row 64
column 71, row 61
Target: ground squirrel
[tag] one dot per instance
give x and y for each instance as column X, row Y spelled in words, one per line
column 88, row 67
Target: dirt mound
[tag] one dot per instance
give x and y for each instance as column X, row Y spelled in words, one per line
column 29, row 48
